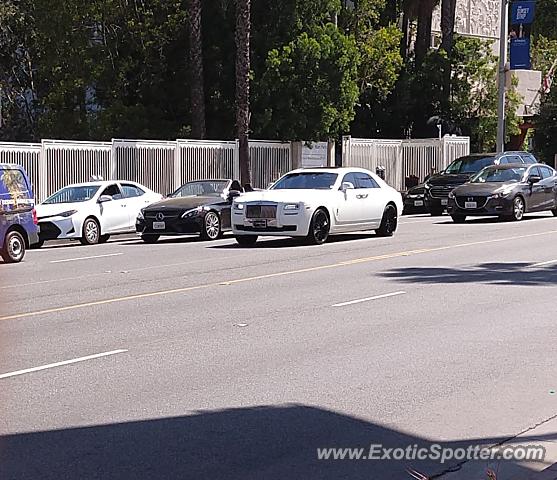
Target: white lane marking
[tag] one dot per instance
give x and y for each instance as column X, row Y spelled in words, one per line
column 86, row 258
column 59, row 364
column 368, row 299
column 541, row 264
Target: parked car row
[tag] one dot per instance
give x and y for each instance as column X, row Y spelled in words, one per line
column 311, row 203
column 506, row 185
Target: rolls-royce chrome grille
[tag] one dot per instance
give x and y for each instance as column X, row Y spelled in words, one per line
column 261, row 211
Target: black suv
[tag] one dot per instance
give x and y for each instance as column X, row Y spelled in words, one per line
column 438, row 186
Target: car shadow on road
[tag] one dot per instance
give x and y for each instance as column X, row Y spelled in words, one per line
column 514, row 273
column 478, row 220
column 297, row 241
column 267, row 442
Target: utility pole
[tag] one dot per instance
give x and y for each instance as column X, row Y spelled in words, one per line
column 503, row 45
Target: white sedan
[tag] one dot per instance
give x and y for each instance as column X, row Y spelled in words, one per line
column 91, row 212
column 316, row 202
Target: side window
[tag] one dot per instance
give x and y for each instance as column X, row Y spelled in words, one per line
column 131, row 191
column 512, row 159
column 529, row 159
column 546, row 172
column 504, row 160
column 351, row 177
column 363, row 180
column 113, row 191
column 13, row 181
column 535, row 171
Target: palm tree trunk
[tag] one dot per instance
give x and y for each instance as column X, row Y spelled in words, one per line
column 448, row 15
column 423, row 36
column 196, row 63
column 243, row 24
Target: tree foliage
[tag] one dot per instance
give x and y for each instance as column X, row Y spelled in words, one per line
column 308, row 90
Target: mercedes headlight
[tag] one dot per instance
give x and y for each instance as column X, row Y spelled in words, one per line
column 194, row 212
column 140, row 215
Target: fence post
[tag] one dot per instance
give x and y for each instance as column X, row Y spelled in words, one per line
column 113, row 169
column 346, row 153
column 43, row 174
column 177, row 181
column 331, row 153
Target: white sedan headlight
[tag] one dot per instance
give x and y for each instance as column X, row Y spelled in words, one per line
column 69, row 213
column 292, row 207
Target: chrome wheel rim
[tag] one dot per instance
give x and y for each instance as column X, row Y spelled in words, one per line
column 321, row 227
column 16, row 247
column 518, row 208
column 212, row 225
column 91, row 231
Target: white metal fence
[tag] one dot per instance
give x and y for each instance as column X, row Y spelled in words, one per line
column 160, row 165
column 403, row 158
column 165, row 165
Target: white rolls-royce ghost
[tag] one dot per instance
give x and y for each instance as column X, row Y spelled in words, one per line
column 316, row 202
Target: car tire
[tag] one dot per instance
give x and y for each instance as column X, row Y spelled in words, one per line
column 90, row 232
column 13, row 249
column 150, row 238
column 211, row 229
column 104, row 238
column 554, row 212
column 389, row 222
column 458, row 218
column 246, row 240
column 519, row 208
column 436, row 212
column 319, row 228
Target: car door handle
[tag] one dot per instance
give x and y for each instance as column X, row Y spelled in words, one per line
column 361, row 196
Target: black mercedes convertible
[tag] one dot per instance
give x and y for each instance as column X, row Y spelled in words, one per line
column 200, row 207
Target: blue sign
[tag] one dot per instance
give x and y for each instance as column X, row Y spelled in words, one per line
column 520, row 54
column 523, row 13
column 522, row 17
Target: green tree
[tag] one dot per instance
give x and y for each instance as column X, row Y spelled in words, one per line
column 309, row 88
column 545, row 135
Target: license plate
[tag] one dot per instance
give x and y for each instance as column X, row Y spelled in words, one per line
column 159, row 225
column 260, row 224
column 444, row 201
column 418, row 203
column 470, row 205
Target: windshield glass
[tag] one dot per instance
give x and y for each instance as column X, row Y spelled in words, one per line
column 306, row 180
column 499, row 175
column 468, row 165
column 207, row 188
column 82, row 193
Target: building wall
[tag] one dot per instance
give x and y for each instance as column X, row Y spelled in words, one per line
column 477, row 18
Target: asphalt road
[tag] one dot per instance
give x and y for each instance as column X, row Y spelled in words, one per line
column 202, row 360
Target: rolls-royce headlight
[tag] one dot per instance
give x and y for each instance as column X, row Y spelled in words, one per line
column 238, row 206
column 292, row 206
